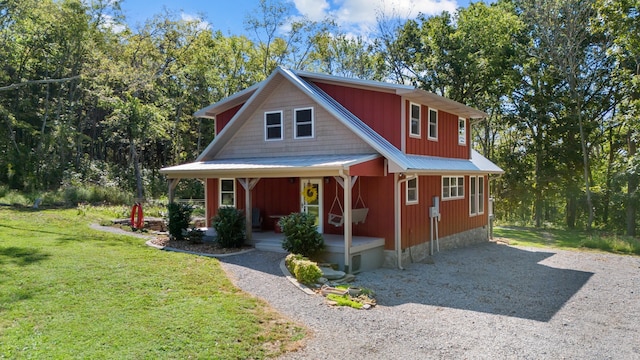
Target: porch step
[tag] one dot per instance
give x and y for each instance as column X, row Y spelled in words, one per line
column 272, row 245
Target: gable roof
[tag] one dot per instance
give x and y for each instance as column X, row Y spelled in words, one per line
column 410, row 92
column 398, row 161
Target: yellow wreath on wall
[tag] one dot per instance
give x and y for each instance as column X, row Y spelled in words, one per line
column 309, row 193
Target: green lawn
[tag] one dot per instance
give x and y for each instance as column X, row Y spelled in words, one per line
column 568, row 239
column 67, row 291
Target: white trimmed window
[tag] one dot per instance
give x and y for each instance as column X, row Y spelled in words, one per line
column 476, row 195
column 227, row 192
column 414, row 121
column 412, row 191
column 452, row 187
column 480, row 195
column 473, row 193
column 462, row 131
column 433, row 124
column 273, row 129
column 303, row 120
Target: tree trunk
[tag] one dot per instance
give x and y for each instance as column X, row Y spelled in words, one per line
column 632, row 188
column 136, row 170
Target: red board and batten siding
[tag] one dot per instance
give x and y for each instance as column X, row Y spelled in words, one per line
column 377, row 195
column 279, row 196
column 380, row 110
column 224, row 117
column 454, row 214
column 447, row 143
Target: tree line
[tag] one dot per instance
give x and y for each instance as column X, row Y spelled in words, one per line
column 86, row 98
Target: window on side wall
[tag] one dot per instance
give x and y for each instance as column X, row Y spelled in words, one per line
column 433, row 124
column 273, row 129
column 412, row 191
column 303, row 119
column 462, row 131
column 227, row 192
column 414, row 123
column 476, row 195
column 473, row 202
column 452, row 187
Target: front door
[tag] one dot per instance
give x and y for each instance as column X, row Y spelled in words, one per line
column 311, row 193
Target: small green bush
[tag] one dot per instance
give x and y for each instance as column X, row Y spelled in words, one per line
column 306, row 272
column 179, row 218
column 229, row 224
column 291, row 259
column 195, row 235
column 301, row 234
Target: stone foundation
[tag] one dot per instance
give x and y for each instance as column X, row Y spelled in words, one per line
column 420, row 252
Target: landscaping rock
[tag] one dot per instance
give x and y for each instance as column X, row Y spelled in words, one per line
column 332, row 274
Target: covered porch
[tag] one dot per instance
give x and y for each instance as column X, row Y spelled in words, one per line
column 273, row 187
column 366, row 253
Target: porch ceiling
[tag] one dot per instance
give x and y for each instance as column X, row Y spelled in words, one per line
column 265, row 167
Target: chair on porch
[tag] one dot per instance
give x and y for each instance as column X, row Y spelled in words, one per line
column 256, row 220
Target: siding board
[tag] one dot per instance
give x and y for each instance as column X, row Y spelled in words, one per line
column 331, row 136
column 379, row 110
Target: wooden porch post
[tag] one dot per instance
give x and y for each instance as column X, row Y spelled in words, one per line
column 172, row 188
column 248, row 184
column 347, row 223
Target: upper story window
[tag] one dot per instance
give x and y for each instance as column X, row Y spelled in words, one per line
column 303, row 119
column 273, row 128
column 227, row 192
column 412, row 191
column 452, row 187
column 462, row 131
column 476, row 195
column 414, row 124
column 433, row 124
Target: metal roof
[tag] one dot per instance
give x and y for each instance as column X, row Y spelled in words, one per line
column 398, row 161
column 439, row 165
column 277, row 166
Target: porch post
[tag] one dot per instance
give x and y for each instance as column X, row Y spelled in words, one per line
column 248, row 185
column 347, row 223
column 172, row 189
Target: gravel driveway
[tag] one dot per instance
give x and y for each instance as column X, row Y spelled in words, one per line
column 487, row 301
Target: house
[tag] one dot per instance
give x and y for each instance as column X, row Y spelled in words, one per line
column 387, row 169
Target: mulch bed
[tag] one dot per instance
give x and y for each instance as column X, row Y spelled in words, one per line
column 203, row 248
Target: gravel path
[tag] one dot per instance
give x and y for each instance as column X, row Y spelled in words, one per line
column 482, row 302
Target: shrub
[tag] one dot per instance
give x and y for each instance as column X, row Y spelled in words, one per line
column 306, row 272
column 230, row 227
column 179, row 218
column 290, row 260
column 195, row 235
column 301, row 235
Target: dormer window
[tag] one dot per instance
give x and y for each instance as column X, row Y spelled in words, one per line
column 273, row 129
column 433, row 124
column 414, row 124
column 303, row 120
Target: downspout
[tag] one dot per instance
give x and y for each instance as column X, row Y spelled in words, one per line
column 398, row 215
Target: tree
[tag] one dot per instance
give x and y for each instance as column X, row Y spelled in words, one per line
column 621, row 19
column 579, row 59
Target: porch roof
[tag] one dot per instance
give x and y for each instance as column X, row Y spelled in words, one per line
column 279, row 166
column 432, row 165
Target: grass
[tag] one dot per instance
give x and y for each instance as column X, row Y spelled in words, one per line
column 67, row 291
column 568, row 239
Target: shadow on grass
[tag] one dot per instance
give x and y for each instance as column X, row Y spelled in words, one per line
column 488, row 278
column 21, row 256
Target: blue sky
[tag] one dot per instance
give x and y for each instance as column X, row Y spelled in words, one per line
column 354, row 16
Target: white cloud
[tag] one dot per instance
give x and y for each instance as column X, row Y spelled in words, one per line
column 360, row 16
column 108, row 22
column 202, row 25
column 315, row 10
